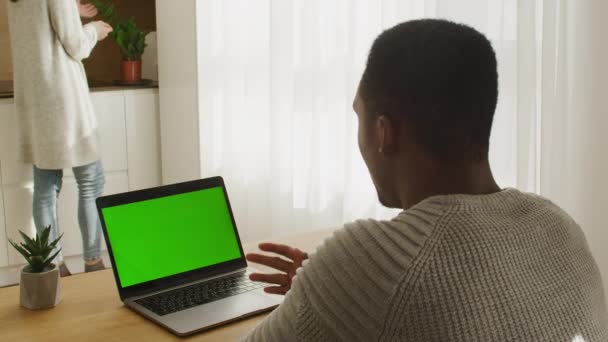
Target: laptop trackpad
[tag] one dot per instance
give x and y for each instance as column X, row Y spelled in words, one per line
column 221, row 311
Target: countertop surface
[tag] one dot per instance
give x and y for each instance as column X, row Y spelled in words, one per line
column 6, row 87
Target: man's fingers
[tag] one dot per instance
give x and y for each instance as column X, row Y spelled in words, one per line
column 274, row 262
column 290, row 252
column 278, row 279
column 276, row 248
column 279, row 290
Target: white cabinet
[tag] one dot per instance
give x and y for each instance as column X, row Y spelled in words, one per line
column 8, row 130
column 18, row 216
column 110, row 110
column 130, row 152
column 15, row 185
column 143, row 145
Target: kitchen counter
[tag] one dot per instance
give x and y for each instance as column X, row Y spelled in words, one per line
column 6, row 87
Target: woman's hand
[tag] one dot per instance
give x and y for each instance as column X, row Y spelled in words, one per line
column 86, row 10
column 282, row 281
column 103, row 29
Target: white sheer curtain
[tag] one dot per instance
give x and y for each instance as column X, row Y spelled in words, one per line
column 572, row 83
column 277, row 78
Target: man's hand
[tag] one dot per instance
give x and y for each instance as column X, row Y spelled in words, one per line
column 86, row 10
column 103, row 29
column 282, row 281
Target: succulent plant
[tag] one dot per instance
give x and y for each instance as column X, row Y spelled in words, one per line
column 37, row 250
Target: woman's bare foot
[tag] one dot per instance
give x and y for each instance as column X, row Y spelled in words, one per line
column 94, row 265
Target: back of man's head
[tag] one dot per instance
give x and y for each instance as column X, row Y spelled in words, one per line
column 441, row 78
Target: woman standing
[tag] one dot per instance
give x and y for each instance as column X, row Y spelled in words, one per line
column 57, row 124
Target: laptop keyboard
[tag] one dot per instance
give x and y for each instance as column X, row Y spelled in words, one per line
column 198, row 294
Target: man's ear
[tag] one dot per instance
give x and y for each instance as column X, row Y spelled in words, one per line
column 386, row 133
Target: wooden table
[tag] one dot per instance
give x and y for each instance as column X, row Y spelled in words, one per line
column 92, row 311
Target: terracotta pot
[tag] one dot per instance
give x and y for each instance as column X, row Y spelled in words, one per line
column 40, row 290
column 131, row 71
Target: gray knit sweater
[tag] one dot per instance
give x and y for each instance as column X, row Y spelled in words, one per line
column 508, row 266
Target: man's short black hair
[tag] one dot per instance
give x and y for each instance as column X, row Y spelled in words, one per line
column 439, row 76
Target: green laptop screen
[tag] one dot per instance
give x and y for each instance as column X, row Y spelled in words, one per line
column 160, row 237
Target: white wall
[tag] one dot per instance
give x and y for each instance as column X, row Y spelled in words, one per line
column 178, row 77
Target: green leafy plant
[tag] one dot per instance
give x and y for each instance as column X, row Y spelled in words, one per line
column 106, row 11
column 130, row 39
column 36, row 251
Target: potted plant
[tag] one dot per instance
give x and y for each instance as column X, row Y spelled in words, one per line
column 39, row 287
column 132, row 43
column 130, row 40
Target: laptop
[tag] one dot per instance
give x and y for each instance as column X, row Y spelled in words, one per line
column 177, row 257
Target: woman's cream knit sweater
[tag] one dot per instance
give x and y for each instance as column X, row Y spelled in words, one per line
column 57, row 124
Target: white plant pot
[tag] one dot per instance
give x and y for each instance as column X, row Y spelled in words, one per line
column 40, row 290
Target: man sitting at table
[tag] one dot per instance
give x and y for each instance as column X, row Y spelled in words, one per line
column 465, row 260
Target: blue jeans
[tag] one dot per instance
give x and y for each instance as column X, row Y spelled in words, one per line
column 47, row 186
